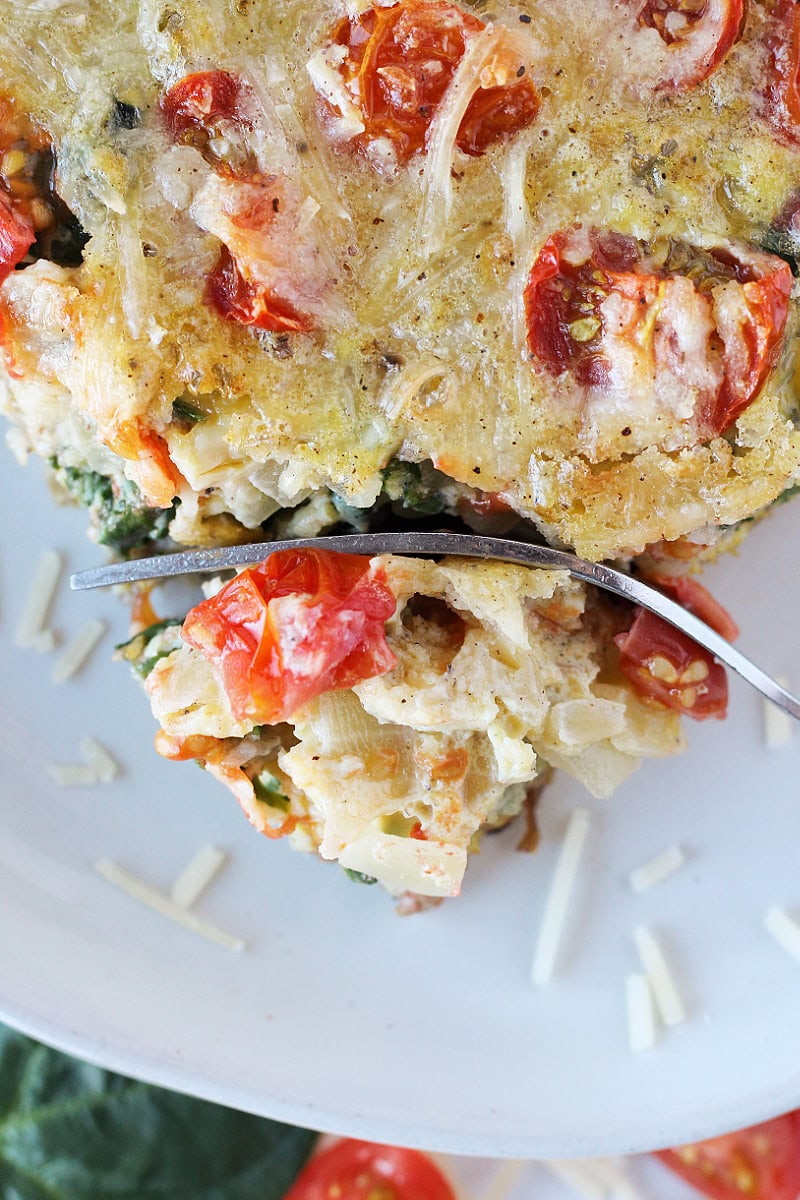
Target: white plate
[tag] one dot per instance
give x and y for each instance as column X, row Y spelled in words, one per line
column 340, row 1015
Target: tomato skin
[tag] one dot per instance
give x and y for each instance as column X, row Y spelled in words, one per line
column 761, row 1162
column 696, row 48
column 196, row 104
column 559, row 292
column 196, row 110
column 230, row 294
column 391, row 52
column 564, row 299
column 354, row 1170
column 664, row 664
column 651, row 638
column 17, row 235
column 782, row 90
column 699, row 601
column 767, row 302
column 661, row 662
column 275, row 656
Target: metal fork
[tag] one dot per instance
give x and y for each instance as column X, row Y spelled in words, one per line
column 433, row 544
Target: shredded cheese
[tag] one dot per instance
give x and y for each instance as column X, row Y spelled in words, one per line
column 72, row 774
column 667, row 999
column 78, row 649
column 657, row 869
column 504, row 1178
column 641, row 1013
column 578, row 1177
column 442, row 133
column 614, row 1173
column 32, row 624
column 778, row 725
column 99, row 759
column 784, row 929
column 139, row 890
column 98, row 766
column 198, row 875
column 558, row 898
column 401, row 389
column 329, row 84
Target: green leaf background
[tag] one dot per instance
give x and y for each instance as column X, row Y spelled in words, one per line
column 70, row 1131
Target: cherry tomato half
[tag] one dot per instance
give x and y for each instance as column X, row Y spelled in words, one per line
column 758, row 1163
column 743, row 296
column 403, row 58
column 352, row 1170
column 695, row 36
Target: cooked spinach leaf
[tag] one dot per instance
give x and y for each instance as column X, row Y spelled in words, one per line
column 404, row 484
column 122, row 519
column 70, row 1131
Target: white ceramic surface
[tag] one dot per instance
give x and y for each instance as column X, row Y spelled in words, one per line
column 339, row 1014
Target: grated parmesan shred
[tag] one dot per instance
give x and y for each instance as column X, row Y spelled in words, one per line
column 77, row 651
column 657, row 869
column 594, row 1178
column 72, row 774
column 784, row 929
column 504, row 1179
column 32, row 632
column 329, row 84
column 443, row 131
column 165, row 905
column 578, row 1177
column 555, row 909
column 615, row 1175
column 98, row 758
column 198, row 876
column 778, row 725
column 641, row 1013
column 667, row 999
column 516, row 217
column 401, row 389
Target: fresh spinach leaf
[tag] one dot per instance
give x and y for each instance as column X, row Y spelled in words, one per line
column 71, row 1131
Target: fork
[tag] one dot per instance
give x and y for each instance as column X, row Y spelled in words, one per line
column 433, row 544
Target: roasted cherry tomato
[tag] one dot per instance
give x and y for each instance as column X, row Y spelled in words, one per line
column 397, row 62
column 237, row 299
column 255, row 216
column 203, row 106
column 352, row 1170
column 597, row 301
column 758, row 1163
column 782, row 89
column 664, row 664
column 696, row 35
column 699, row 601
column 17, row 235
column 301, row 623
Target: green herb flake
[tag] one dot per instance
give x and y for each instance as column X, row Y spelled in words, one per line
column 359, row 876
column 268, row 789
column 135, row 648
column 403, row 483
column 186, row 413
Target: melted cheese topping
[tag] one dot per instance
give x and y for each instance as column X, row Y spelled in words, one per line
column 421, row 268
